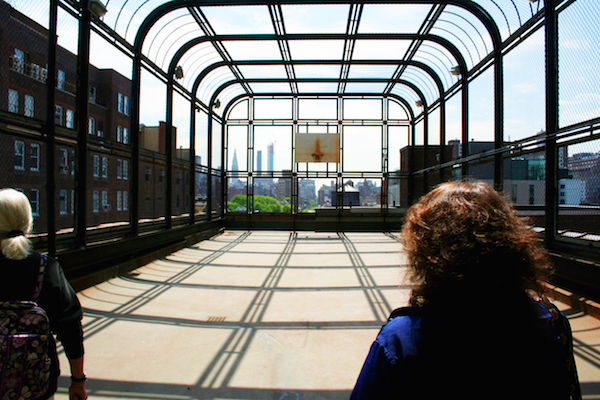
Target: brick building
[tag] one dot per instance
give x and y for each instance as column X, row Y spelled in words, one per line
column 23, row 77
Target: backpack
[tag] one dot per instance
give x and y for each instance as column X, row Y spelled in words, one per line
column 25, row 339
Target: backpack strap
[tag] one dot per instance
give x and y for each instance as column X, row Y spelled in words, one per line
column 40, row 280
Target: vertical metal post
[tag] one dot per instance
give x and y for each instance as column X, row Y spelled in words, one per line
column 442, row 136
column 223, row 169
column 169, row 153
column 50, row 130
column 551, row 20
column 465, row 124
column 209, row 163
column 498, row 119
column 192, row 165
column 81, row 98
column 411, row 165
column 135, row 145
column 425, row 146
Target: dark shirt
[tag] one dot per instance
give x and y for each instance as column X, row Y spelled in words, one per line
column 422, row 353
column 18, row 279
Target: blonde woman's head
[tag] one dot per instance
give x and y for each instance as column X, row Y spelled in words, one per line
column 16, row 221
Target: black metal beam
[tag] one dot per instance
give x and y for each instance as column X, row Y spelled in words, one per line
column 81, row 101
column 552, row 87
column 135, row 145
column 50, row 130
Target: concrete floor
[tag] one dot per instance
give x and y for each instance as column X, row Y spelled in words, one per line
column 257, row 315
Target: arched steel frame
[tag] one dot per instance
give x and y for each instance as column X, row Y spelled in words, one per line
column 83, row 58
column 427, row 37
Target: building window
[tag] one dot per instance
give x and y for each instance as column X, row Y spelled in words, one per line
column 125, row 135
column 70, row 120
column 125, row 105
column 63, row 201
column 13, row 101
column 96, row 167
column 105, row 205
column 60, row 81
column 96, row 203
column 126, row 169
column 29, row 106
column 58, row 115
column 100, row 128
column 19, row 154
column 18, row 63
column 34, row 200
column 125, row 200
column 64, row 161
column 105, row 167
column 148, row 204
column 119, row 169
column 119, row 134
column 93, row 94
column 72, row 162
column 161, row 174
column 34, row 156
column 91, row 126
column 119, row 201
column 121, row 105
column 531, row 194
column 72, row 202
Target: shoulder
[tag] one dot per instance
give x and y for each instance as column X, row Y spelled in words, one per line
column 400, row 335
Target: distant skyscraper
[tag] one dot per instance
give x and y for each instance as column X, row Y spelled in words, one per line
column 270, row 151
column 259, row 161
column 234, row 164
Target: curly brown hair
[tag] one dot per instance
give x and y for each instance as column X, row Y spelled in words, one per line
column 464, row 238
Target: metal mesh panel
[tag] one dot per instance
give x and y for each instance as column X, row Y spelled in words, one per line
column 201, row 193
column 579, row 62
column 180, row 186
column 579, row 191
column 216, row 202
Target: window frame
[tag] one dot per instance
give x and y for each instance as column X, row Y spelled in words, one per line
column 34, row 159
column 104, row 168
column 13, row 101
column 63, row 202
column 64, row 161
column 96, row 166
column 96, row 201
column 91, row 126
column 61, row 78
column 70, row 119
column 58, row 115
column 29, row 106
column 34, row 200
column 20, row 153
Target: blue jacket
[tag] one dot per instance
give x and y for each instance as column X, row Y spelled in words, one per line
column 422, row 353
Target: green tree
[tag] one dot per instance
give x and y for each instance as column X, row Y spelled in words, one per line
column 237, row 203
column 266, row 204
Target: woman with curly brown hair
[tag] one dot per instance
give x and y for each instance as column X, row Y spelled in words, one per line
column 477, row 326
